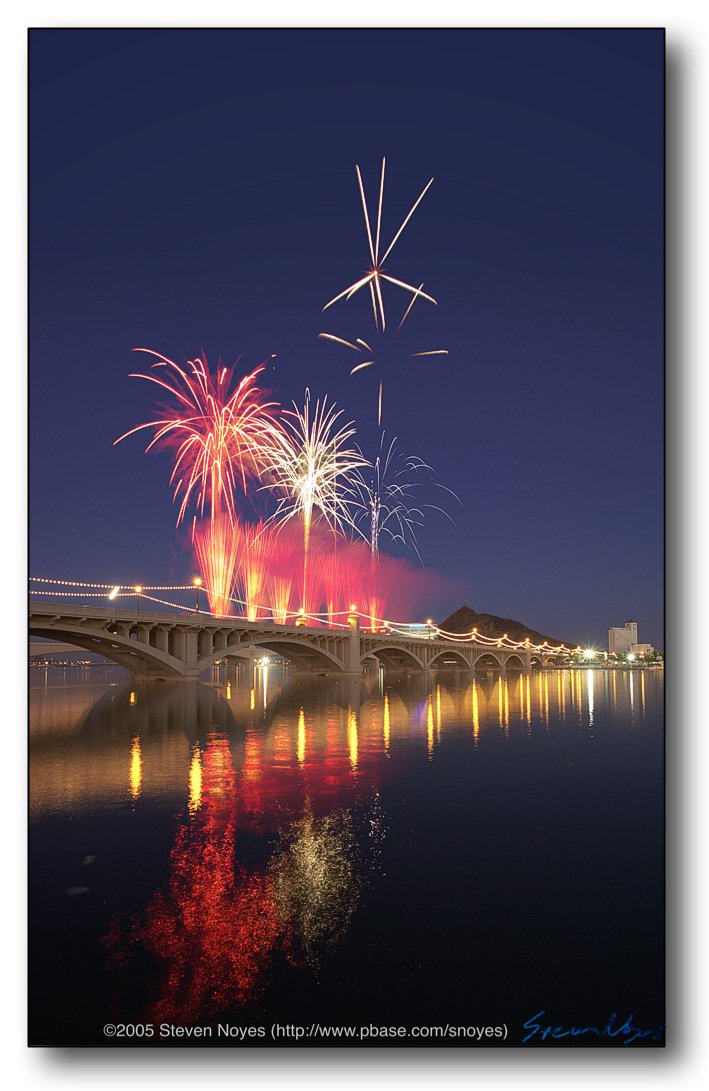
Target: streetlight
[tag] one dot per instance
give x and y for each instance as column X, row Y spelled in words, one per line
column 429, row 623
column 139, row 591
column 197, row 583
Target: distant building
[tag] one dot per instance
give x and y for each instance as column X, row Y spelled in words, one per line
column 620, row 640
column 642, row 649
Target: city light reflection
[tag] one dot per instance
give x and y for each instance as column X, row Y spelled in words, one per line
column 528, row 693
column 195, row 781
column 136, row 768
column 429, row 726
column 221, row 918
column 352, row 739
column 301, row 737
column 476, row 713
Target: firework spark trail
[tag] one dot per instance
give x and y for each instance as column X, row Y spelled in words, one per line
column 374, row 277
column 352, row 577
column 254, row 552
column 366, row 349
column 285, row 558
column 342, row 582
column 218, row 436
column 216, row 550
column 310, row 463
column 385, row 500
column 373, row 281
column 379, row 583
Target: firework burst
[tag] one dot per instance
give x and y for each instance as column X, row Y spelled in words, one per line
column 376, row 275
column 373, row 357
column 310, row 463
column 386, row 502
column 218, row 436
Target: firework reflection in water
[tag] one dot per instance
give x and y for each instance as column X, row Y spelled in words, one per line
column 319, row 873
column 212, row 930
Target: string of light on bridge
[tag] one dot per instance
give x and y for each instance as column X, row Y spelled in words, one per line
column 115, row 591
column 110, row 586
column 394, row 628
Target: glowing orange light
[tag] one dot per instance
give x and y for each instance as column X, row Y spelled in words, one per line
column 195, row 782
column 136, row 768
column 352, row 739
column 301, row 737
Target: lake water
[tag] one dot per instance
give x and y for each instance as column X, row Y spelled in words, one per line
column 443, row 851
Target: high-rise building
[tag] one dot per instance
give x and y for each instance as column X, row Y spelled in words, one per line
column 620, row 640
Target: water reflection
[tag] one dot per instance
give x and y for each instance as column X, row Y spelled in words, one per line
column 213, row 931
column 273, row 788
column 209, row 932
column 195, row 798
column 319, row 871
column 144, row 741
column 136, row 768
column 476, row 712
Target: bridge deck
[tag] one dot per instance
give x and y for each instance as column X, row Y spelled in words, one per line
column 184, row 645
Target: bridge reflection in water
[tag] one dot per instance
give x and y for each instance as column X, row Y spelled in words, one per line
column 276, row 785
column 278, row 724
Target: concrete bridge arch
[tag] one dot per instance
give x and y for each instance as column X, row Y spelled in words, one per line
column 456, row 659
column 396, row 656
column 489, row 660
column 303, row 656
column 121, row 648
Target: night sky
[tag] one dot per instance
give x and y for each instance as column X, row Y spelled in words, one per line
column 196, row 190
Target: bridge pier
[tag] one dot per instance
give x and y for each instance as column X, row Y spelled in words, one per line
column 353, row 653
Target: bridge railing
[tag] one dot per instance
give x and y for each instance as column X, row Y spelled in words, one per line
column 187, row 618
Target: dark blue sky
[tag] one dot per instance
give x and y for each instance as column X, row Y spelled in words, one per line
column 196, row 189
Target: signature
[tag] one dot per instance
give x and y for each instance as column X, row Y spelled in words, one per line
column 627, row 1030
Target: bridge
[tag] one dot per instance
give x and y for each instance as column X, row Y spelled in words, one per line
column 164, row 646
column 44, row 649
